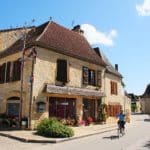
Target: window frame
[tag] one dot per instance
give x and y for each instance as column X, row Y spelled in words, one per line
column 62, row 73
column 113, row 88
column 40, row 107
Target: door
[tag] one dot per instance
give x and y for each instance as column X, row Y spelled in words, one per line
column 89, row 108
column 62, row 107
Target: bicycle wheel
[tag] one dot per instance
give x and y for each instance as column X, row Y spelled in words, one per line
column 118, row 133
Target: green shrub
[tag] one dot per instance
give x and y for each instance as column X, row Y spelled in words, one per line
column 53, row 128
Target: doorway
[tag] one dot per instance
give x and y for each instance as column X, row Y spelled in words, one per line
column 62, row 107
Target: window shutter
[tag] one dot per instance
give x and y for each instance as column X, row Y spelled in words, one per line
column 16, row 70
column 116, row 89
column 11, row 70
column 85, row 75
column 2, row 73
column 111, row 110
column 8, row 72
column 62, row 68
column 99, row 81
column 111, row 87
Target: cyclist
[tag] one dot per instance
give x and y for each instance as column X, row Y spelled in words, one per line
column 121, row 120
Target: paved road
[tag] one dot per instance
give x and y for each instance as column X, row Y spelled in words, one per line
column 137, row 138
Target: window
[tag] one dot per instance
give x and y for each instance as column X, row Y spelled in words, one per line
column 85, row 75
column 16, row 71
column 2, row 73
column 62, row 70
column 13, row 106
column 41, row 107
column 88, row 76
column 13, row 109
column 113, row 110
column 91, row 77
column 99, row 79
column 114, row 89
column 10, row 71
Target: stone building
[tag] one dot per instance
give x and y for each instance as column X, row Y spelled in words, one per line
column 135, row 103
column 10, row 36
column 145, row 100
column 57, row 74
column 115, row 97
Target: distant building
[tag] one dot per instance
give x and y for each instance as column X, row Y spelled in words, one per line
column 135, row 103
column 145, row 100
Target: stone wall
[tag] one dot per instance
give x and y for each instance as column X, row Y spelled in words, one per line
column 107, row 89
column 10, row 36
column 145, row 105
column 44, row 72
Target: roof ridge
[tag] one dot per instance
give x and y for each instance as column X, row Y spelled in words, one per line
column 38, row 38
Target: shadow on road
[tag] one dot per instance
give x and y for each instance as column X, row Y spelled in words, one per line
column 112, row 137
column 146, row 119
column 147, row 145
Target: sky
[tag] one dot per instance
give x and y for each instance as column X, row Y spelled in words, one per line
column 120, row 28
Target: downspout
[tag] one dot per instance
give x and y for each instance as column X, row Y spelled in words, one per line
column 33, row 56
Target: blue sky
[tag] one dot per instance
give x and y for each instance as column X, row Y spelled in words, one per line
column 121, row 28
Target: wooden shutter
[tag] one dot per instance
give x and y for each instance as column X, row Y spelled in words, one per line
column 62, row 70
column 2, row 73
column 85, row 75
column 16, row 70
column 11, row 71
column 8, row 72
column 116, row 89
column 99, row 81
column 111, row 110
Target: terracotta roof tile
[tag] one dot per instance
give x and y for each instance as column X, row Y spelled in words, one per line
column 62, row 40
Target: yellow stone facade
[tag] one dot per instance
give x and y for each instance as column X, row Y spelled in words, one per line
column 44, row 72
column 10, row 36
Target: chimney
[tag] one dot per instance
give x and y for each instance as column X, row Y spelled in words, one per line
column 96, row 49
column 78, row 29
column 116, row 67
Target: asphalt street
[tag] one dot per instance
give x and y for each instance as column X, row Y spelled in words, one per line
column 137, row 137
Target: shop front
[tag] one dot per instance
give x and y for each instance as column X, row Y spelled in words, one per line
column 70, row 103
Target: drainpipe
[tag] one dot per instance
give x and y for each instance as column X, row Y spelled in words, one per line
column 22, row 69
column 33, row 57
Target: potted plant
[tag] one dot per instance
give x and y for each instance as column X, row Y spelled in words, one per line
column 102, row 115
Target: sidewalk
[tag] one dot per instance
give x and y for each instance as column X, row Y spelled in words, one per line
column 80, row 132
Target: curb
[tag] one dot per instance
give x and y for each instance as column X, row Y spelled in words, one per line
column 54, row 141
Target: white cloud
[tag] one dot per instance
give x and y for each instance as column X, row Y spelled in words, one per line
column 96, row 37
column 144, row 9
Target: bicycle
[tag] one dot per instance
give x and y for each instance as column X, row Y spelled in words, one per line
column 121, row 129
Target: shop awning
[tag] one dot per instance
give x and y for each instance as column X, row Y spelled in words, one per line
column 53, row 89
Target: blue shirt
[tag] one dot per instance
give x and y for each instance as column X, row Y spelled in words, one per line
column 121, row 117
